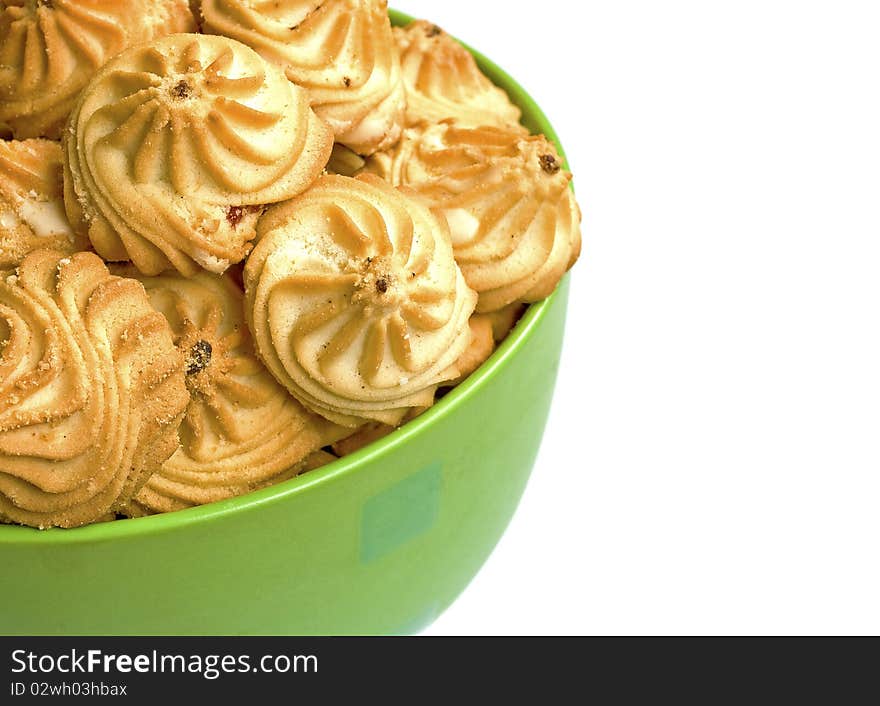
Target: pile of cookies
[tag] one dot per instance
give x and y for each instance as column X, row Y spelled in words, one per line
column 241, row 239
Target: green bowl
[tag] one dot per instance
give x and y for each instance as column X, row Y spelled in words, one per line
column 379, row 542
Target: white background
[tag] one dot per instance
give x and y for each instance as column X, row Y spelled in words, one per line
column 711, row 462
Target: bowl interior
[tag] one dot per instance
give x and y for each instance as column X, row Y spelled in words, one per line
column 535, row 120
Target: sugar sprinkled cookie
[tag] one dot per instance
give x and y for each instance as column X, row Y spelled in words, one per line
column 91, row 390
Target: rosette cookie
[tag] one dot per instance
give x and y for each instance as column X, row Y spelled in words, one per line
column 174, row 147
column 355, row 300
column 341, row 51
column 91, row 390
column 242, row 430
column 442, row 80
column 31, row 205
column 49, row 49
column 514, row 220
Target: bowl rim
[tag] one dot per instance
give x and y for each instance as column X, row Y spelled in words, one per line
column 335, row 471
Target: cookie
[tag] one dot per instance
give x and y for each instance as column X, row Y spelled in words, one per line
column 49, row 49
column 31, row 205
column 482, row 346
column 503, row 320
column 355, row 301
column 442, row 80
column 242, row 430
column 92, row 390
column 514, row 220
column 340, row 51
column 175, row 146
column 367, row 434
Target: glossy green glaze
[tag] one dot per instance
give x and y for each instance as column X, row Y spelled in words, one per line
column 380, row 542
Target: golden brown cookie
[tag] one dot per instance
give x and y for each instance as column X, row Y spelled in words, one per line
column 482, row 346
column 341, row 51
column 355, row 300
column 91, row 390
column 514, row 220
column 31, row 204
column 367, row 434
column 242, row 430
column 503, row 320
column 442, row 80
column 175, row 146
column 49, row 49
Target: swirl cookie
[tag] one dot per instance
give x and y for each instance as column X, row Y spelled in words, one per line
column 174, row 147
column 442, row 81
column 136, row 508
column 91, row 390
column 514, row 221
column 341, row 51
column 355, row 301
column 49, row 49
column 242, row 430
column 31, row 204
